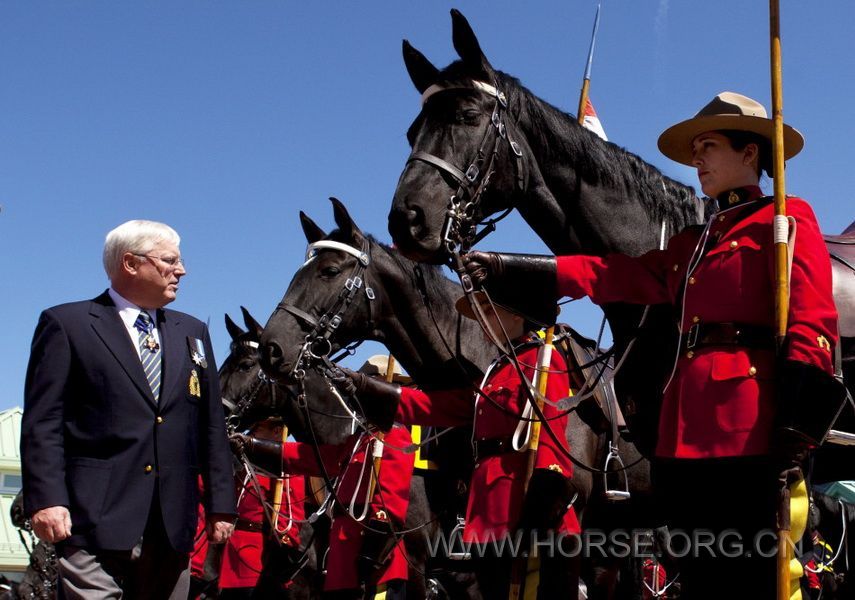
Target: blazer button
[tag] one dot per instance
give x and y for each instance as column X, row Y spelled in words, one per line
column 148, row 468
column 159, row 420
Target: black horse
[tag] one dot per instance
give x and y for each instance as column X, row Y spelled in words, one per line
column 410, row 308
column 248, row 398
column 313, row 415
column 578, row 192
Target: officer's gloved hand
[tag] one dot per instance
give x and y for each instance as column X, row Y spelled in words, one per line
column 547, row 500
column 266, row 454
column 525, row 270
column 377, row 399
column 378, row 541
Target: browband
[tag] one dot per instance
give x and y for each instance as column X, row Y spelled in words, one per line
column 478, row 85
column 313, row 249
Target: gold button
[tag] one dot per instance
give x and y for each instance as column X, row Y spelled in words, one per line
column 691, row 281
column 480, row 411
column 148, row 468
column 676, row 267
column 752, row 371
column 695, row 319
column 734, row 244
column 721, row 218
column 690, row 354
column 477, row 465
column 159, row 419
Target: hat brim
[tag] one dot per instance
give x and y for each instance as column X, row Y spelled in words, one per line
column 464, row 307
column 676, row 141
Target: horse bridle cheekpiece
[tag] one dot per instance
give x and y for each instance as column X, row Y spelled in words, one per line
column 317, row 345
column 459, row 229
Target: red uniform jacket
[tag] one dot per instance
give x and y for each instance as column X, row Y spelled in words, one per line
column 348, row 461
column 496, row 489
column 720, row 401
column 242, row 553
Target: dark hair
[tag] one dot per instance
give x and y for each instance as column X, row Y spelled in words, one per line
column 740, row 139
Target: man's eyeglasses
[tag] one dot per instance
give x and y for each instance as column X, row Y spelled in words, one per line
column 171, row 261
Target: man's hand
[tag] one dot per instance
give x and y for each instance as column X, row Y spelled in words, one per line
column 52, row 524
column 239, row 442
column 344, row 379
column 219, row 528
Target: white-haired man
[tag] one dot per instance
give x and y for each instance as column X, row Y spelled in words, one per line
column 121, row 416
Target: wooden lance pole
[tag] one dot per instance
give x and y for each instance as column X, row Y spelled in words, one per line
column 782, row 284
column 277, row 488
column 380, row 436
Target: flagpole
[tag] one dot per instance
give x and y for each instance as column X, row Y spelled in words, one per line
column 782, row 284
column 586, row 79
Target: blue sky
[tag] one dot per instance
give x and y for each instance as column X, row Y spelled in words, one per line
column 224, row 119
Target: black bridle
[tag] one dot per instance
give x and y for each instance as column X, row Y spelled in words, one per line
column 317, row 345
column 459, row 231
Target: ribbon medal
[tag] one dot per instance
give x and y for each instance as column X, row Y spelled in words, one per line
column 197, row 352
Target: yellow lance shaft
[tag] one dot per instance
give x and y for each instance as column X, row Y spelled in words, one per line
column 379, row 436
column 544, row 359
column 277, row 488
column 782, row 284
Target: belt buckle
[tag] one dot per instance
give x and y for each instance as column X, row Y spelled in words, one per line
column 692, row 336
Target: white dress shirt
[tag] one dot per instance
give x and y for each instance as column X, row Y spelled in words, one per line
column 128, row 312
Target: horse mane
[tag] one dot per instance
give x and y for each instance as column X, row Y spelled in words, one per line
column 595, row 160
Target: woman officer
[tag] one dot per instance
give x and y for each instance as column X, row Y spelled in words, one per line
column 733, row 414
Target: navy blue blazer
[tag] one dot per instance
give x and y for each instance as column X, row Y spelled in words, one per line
column 94, row 439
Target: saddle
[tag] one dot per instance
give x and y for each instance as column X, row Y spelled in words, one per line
column 841, row 248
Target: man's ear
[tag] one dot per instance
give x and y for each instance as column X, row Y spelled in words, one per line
column 751, row 154
column 129, row 262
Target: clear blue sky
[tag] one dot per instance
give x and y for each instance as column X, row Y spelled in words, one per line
column 225, row 118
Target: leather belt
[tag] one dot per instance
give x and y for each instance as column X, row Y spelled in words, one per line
column 493, row 447
column 247, row 525
column 701, row 335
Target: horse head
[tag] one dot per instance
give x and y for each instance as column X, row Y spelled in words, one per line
column 308, row 323
column 467, row 155
column 250, row 396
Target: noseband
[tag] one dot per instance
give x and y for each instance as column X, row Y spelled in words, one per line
column 459, row 229
column 317, row 344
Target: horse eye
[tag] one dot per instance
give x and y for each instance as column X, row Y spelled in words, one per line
column 330, row 271
column 246, row 365
column 468, row 117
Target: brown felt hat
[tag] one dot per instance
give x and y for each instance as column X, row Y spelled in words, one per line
column 728, row 110
column 538, row 310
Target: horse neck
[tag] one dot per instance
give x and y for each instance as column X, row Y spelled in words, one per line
column 577, row 204
column 420, row 333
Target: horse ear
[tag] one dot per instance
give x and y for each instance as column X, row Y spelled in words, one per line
column 345, row 222
column 467, row 45
column 422, row 72
column 312, row 231
column 251, row 324
column 233, row 329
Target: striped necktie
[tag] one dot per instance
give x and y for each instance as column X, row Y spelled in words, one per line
column 149, row 352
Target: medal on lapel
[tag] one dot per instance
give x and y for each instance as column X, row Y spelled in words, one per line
column 194, row 387
column 197, row 352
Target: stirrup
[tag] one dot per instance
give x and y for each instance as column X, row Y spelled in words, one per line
column 458, row 531
column 615, row 494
